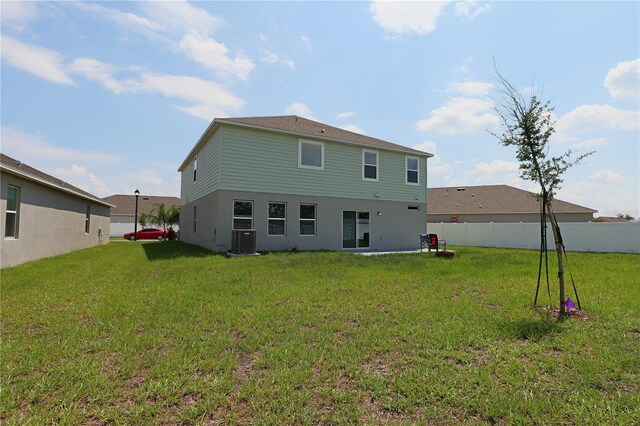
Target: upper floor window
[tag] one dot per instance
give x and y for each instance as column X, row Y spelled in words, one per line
column 310, row 155
column 369, row 165
column 87, row 220
column 13, row 211
column 277, row 219
column 243, row 215
column 412, row 170
column 195, row 168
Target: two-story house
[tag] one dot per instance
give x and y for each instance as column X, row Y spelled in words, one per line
column 301, row 185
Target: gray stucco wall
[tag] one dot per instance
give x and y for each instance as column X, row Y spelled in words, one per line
column 51, row 222
column 508, row 218
column 396, row 228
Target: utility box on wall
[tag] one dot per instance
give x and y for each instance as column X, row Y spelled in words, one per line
column 243, row 241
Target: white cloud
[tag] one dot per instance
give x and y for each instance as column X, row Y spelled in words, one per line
column 586, row 118
column 35, row 60
column 465, row 66
column 460, row 115
column 272, row 58
column 344, row 115
column 606, row 191
column 587, row 143
column 18, row 14
column 470, row 88
column 439, row 173
column 353, row 128
column 214, row 55
column 496, row 167
column 129, row 21
column 607, row 175
column 24, row 146
column 301, row 110
column 79, row 176
column 471, row 8
column 208, row 99
column 97, row 71
column 182, row 17
column 401, row 17
column 623, row 80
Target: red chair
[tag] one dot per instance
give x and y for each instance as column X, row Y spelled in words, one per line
column 431, row 241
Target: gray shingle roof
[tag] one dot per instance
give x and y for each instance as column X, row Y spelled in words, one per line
column 292, row 124
column 12, row 165
column 491, row 199
column 126, row 204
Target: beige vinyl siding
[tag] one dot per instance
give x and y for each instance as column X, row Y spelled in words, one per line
column 263, row 161
column 208, row 178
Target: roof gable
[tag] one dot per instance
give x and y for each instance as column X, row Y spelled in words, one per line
column 19, row 168
column 126, row 204
column 298, row 126
column 491, row 199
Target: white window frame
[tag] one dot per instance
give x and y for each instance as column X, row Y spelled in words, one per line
column 234, row 217
column 16, row 213
column 87, row 220
column 315, row 220
column 282, row 219
column 304, row 166
column 407, row 169
column 377, row 165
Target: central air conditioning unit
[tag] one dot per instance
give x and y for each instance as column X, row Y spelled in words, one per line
column 243, row 241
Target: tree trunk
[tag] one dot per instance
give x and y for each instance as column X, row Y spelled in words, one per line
column 558, row 240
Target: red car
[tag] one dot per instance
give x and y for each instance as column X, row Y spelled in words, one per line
column 146, row 234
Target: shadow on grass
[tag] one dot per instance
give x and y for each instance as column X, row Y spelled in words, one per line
column 530, row 328
column 173, row 250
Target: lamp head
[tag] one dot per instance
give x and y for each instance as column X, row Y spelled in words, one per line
column 137, row 192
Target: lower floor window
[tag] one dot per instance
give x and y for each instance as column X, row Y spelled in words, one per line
column 307, row 219
column 277, row 219
column 243, row 215
column 356, row 229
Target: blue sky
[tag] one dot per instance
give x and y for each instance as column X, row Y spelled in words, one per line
column 111, row 96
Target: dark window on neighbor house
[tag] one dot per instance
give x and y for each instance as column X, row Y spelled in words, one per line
column 87, row 220
column 310, row 154
column 307, row 219
column 369, row 165
column 195, row 168
column 415, row 208
column 413, row 170
column 243, row 215
column 195, row 215
column 277, row 219
column 13, row 211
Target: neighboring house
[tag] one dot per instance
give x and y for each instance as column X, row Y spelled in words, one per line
column 124, row 210
column 43, row 216
column 301, row 185
column 495, row 203
column 612, row 219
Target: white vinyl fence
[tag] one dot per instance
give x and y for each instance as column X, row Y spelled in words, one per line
column 577, row 236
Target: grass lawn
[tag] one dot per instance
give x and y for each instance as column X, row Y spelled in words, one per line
column 166, row 333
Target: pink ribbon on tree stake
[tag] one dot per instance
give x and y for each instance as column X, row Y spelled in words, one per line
column 569, row 305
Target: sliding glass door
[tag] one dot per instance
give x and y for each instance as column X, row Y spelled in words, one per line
column 356, row 229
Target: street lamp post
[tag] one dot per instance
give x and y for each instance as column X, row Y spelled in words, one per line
column 135, row 225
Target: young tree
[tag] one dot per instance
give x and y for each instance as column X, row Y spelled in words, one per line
column 143, row 220
column 527, row 125
column 165, row 216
